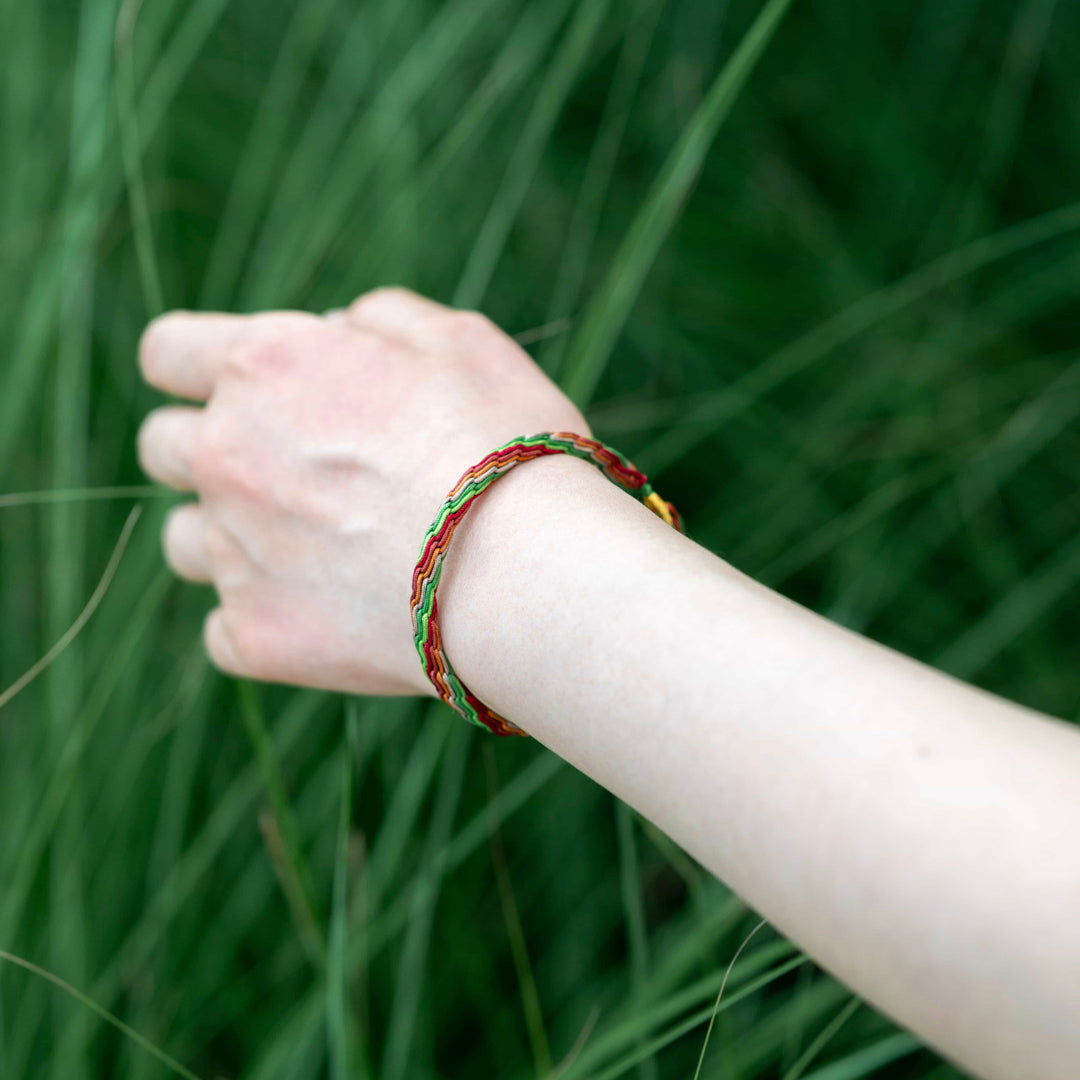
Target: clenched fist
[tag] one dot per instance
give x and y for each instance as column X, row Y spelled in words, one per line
column 320, row 455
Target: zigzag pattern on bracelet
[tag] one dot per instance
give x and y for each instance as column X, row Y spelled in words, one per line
column 425, row 583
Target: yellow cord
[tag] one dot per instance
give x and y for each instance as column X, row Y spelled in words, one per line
column 658, row 506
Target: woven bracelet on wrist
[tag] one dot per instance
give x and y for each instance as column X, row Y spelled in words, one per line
column 425, row 582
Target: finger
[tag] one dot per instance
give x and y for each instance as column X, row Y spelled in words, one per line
column 166, row 444
column 186, row 353
column 398, row 313
column 181, row 352
column 240, row 643
column 184, row 542
column 253, row 640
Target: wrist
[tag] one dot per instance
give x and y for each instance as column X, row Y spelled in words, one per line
column 507, row 522
column 531, row 579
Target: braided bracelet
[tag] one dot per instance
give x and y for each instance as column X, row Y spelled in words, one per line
column 425, row 582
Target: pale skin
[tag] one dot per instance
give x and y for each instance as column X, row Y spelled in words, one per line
column 916, row 836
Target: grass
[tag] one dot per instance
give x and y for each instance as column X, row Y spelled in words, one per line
column 814, row 266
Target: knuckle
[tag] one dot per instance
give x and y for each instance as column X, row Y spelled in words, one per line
column 221, row 460
column 387, row 294
column 221, row 549
column 277, row 332
column 239, row 359
column 262, row 357
column 205, row 454
column 469, row 325
column 387, row 303
column 287, row 321
column 239, row 474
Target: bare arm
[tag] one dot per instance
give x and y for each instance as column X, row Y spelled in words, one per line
column 915, row 836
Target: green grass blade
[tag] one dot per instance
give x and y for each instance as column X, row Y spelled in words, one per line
column 410, row 976
column 624, row 1064
column 1028, row 600
column 822, row 1040
column 52, row 800
column 199, row 856
column 131, row 153
column 290, row 247
column 609, row 311
column 176, row 59
column 337, row 1007
column 584, row 225
column 634, row 911
column 55, row 495
column 848, row 324
column 281, row 832
column 530, row 997
column 129, row 1033
column 720, row 995
column 550, row 99
column 73, row 631
column 394, row 917
column 514, row 67
column 623, row 1029
column 262, row 151
column 864, row 1062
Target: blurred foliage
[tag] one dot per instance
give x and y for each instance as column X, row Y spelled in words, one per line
column 820, row 282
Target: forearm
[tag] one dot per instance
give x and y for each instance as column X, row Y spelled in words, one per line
column 913, row 835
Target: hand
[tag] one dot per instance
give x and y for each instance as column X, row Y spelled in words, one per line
column 322, row 454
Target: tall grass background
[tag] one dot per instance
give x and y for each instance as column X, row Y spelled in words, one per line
column 813, row 266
